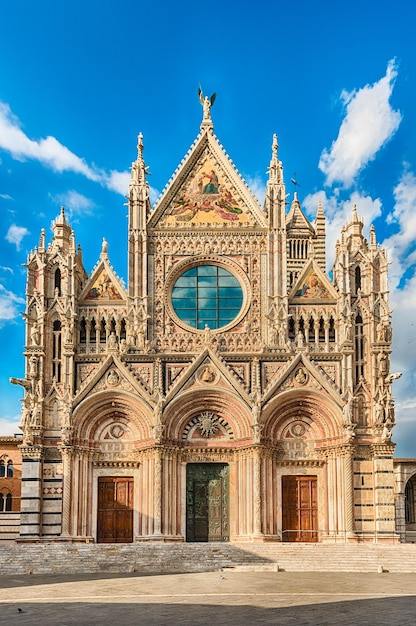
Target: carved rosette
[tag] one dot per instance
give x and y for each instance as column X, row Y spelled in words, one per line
column 207, row 424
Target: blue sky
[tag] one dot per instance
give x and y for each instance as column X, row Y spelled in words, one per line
column 80, row 80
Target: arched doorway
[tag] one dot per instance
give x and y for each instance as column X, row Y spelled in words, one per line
column 410, row 508
column 299, row 508
column 207, row 502
column 115, row 509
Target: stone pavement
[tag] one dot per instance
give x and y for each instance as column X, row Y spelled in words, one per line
column 219, row 598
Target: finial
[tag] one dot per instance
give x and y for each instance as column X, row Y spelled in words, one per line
column 275, row 145
column 206, row 103
column 62, row 215
column 139, row 168
column 104, row 248
column 140, row 146
column 42, row 239
column 274, row 170
column 60, row 220
column 372, row 236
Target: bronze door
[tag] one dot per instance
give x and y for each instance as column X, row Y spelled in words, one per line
column 207, row 502
column 115, row 510
column 300, row 508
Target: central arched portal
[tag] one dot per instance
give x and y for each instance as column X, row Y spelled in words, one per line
column 207, row 502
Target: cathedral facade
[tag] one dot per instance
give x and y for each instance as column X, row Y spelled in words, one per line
column 232, row 392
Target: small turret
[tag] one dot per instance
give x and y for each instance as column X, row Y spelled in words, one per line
column 354, row 233
column 61, row 232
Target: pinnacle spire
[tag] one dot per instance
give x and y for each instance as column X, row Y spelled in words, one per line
column 275, row 167
column 139, row 168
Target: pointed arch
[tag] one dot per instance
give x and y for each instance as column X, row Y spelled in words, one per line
column 225, row 404
column 99, row 409
column 57, row 281
column 313, row 407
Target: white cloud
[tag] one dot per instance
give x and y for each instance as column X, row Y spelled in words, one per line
column 75, row 203
column 154, row 195
column 257, row 187
column 9, row 427
column 119, row 182
column 9, row 304
column 5, row 196
column 339, row 212
column 401, row 245
column 52, row 154
column 369, row 123
column 15, row 235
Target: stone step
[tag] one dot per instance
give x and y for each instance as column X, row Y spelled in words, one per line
column 76, row 558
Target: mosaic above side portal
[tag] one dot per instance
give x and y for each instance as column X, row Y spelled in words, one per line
column 312, row 287
column 103, row 289
column 205, row 199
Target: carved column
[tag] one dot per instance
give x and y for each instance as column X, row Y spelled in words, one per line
column 349, row 490
column 257, row 492
column 67, row 454
column 157, row 495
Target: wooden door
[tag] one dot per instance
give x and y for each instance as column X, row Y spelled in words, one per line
column 207, row 502
column 115, row 510
column 300, row 508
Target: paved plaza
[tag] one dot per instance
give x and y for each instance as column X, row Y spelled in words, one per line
column 217, row 598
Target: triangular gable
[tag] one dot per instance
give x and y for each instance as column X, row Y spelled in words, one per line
column 112, row 375
column 208, row 369
column 297, row 221
column 103, row 285
column 54, row 392
column 312, row 285
column 206, row 190
column 298, row 374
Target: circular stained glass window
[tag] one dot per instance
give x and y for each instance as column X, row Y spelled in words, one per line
column 207, row 295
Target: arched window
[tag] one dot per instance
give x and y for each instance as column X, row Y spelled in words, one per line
column 9, row 469
column 56, row 350
column 357, row 278
column 409, row 501
column 58, row 281
column 311, row 330
column 93, row 331
column 291, row 328
column 2, row 469
column 331, row 329
column 302, row 327
column 321, row 329
column 5, row 502
column 123, row 329
column 103, row 336
column 83, row 331
column 359, row 348
column 376, row 275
